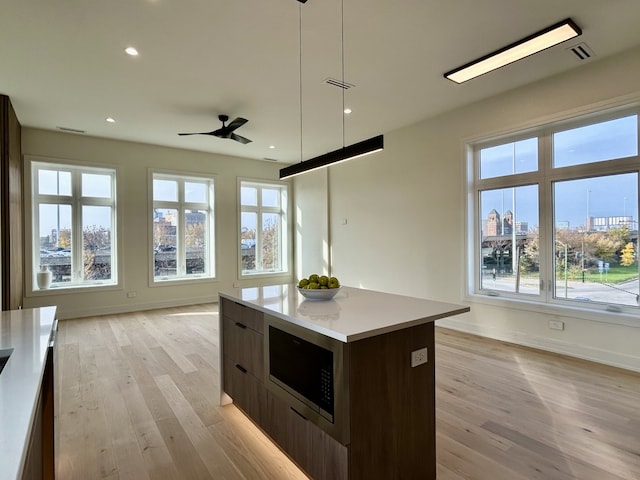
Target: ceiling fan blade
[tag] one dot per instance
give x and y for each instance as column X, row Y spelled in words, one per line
column 238, row 122
column 197, row 133
column 238, row 138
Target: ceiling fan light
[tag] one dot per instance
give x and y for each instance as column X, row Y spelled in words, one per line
column 547, row 38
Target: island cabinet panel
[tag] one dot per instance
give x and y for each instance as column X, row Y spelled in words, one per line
column 243, row 358
column 247, row 392
column 242, row 314
column 393, row 406
column 244, row 346
column 315, row 452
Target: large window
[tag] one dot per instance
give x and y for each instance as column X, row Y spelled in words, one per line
column 556, row 215
column 263, row 227
column 74, row 224
column 183, row 238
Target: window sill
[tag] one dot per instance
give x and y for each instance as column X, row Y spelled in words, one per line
column 617, row 318
column 280, row 274
column 172, row 282
column 72, row 289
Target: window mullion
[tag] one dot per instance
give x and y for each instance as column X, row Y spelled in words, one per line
column 76, row 221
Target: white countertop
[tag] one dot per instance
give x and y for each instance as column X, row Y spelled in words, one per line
column 27, row 332
column 353, row 314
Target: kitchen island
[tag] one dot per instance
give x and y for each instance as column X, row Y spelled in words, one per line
column 26, row 393
column 371, row 412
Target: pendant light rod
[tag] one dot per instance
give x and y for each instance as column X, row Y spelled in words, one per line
column 342, row 64
column 360, row 149
column 300, row 68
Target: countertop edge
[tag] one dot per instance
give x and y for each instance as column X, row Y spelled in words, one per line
column 349, row 338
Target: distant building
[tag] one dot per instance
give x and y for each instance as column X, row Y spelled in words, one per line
column 608, row 223
column 495, row 225
column 195, row 217
column 522, row 228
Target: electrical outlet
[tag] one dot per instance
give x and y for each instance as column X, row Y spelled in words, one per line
column 132, row 294
column 418, row 357
column 556, row 325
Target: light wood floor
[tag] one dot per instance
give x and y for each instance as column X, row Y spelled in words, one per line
column 137, row 398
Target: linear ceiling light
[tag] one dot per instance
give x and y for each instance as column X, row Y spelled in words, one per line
column 372, row 145
column 550, row 36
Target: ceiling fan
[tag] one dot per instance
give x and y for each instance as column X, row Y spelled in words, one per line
column 226, row 131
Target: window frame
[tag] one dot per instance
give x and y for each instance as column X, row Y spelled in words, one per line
column 285, row 229
column 183, row 206
column 32, row 202
column 544, row 177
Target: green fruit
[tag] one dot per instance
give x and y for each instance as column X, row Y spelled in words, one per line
column 313, row 286
column 303, row 283
column 334, row 283
column 323, row 280
column 314, row 278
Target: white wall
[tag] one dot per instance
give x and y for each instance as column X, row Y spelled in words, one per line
column 133, row 161
column 405, row 229
column 311, row 235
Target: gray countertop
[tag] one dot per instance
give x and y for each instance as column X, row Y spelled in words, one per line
column 27, row 332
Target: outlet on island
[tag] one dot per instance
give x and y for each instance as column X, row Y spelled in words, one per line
column 418, row 357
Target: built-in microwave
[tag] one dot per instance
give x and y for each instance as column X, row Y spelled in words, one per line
column 307, row 370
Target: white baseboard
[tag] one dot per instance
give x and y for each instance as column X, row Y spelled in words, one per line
column 606, row 357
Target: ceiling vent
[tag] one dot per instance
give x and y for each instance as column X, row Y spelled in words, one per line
column 338, row 83
column 269, row 159
column 71, row 130
column 581, row 51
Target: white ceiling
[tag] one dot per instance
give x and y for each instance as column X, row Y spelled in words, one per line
column 62, row 64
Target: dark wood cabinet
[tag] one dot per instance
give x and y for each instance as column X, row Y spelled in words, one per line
column 11, row 204
column 247, row 391
column 243, row 358
column 391, row 405
column 244, row 346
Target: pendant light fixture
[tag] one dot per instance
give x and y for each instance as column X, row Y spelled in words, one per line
column 547, row 38
column 366, row 147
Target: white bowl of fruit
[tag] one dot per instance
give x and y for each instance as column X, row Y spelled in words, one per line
column 318, row 287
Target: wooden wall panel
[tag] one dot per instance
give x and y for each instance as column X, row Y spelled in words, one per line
column 11, row 206
column 393, row 406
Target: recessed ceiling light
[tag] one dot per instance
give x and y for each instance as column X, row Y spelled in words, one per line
column 131, row 51
column 547, row 38
column 110, row 120
column 347, row 111
column 272, row 146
